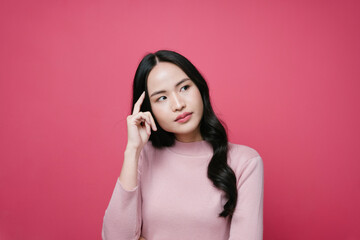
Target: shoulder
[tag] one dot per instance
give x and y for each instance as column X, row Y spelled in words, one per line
column 147, row 152
column 241, row 151
column 150, row 152
column 240, row 156
column 148, row 149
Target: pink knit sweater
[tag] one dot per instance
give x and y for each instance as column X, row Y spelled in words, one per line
column 175, row 199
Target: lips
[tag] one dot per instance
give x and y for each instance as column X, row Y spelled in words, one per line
column 182, row 115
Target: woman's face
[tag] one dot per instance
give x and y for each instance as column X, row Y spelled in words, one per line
column 172, row 94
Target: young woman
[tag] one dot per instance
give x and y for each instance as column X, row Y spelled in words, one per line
column 181, row 178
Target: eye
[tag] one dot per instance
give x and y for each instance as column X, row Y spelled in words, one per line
column 186, row 87
column 160, row 99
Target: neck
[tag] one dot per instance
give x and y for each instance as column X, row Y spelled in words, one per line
column 195, row 148
column 187, row 139
column 192, row 137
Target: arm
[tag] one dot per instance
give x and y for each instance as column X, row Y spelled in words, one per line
column 247, row 220
column 122, row 218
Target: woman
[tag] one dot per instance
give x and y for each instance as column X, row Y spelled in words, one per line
column 181, row 178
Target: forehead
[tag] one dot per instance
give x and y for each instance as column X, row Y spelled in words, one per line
column 164, row 75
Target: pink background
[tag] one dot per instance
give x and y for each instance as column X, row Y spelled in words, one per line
column 283, row 75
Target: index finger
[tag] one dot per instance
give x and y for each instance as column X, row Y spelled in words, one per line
column 138, row 103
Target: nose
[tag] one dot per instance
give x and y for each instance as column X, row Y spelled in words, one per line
column 177, row 103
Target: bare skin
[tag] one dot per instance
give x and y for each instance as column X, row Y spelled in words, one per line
column 138, row 136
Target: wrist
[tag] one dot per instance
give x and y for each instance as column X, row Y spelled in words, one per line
column 132, row 149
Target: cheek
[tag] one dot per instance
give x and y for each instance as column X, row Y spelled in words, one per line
column 158, row 113
column 200, row 104
column 201, row 107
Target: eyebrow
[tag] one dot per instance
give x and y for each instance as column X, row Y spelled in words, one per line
column 163, row 91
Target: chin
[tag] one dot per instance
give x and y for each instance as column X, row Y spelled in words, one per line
column 185, row 130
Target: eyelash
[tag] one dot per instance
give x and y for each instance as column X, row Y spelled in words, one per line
column 187, row 87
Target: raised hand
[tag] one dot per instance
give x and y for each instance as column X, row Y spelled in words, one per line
column 139, row 125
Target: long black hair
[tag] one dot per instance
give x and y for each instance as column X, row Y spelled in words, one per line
column 211, row 128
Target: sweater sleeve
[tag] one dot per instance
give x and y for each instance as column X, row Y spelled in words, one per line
column 122, row 219
column 247, row 220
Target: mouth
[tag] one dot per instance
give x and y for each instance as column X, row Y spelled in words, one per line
column 182, row 116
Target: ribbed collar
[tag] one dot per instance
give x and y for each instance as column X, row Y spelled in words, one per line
column 195, row 149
